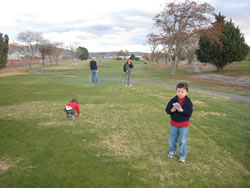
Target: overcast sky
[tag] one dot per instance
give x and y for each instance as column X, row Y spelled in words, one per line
column 99, row 25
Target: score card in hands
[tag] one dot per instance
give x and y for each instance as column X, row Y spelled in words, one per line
column 177, row 105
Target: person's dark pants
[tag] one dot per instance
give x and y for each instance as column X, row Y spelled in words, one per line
column 70, row 113
column 127, row 79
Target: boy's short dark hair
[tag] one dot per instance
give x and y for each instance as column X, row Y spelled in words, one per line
column 182, row 85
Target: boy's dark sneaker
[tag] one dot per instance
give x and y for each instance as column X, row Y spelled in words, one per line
column 171, row 154
column 67, row 116
column 182, row 160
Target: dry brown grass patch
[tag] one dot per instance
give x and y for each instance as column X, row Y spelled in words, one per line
column 161, row 66
column 196, row 102
column 206, row 67
column 9, row 71
column 217, row 84
column 121, row 146
column 61, row 67
column 216, row 97
column 203, row 113
column 3, row 167
column 31, row 110
column 52, row 113
column 13, row 71
column 106, row 115
column 239, row 166
column 237, row 75
column 6, row 163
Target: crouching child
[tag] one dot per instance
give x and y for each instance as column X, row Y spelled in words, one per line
column 71, row 108
column 180, row 109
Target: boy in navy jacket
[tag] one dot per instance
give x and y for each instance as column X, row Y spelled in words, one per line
column 180, row 109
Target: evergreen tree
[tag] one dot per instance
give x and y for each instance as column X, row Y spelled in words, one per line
column 222, row 44
column 4, row 47
column 132, row 57
column 82, row 53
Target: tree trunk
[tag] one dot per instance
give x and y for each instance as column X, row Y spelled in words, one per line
column 50, row 59
column 173, row 66
column 43, row 61
column 170, row 55
column 31, row 60
column 220, row 69
column 166, row 59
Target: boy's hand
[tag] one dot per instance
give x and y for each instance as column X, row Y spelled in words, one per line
column 180, row 109
column 173, row 109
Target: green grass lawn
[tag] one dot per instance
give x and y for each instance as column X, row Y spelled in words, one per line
column 238, row 67
column 121, row 140
column 143, row 72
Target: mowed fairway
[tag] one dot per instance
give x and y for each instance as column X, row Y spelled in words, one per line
column 121, row 140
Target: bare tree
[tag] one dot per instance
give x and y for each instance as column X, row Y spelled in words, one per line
column 57, row 50
column 51, row 49
column 44, row 48
column 73, row 47
column 153, row 41
column 179, row 22
column 189, row 49
column 31, row 42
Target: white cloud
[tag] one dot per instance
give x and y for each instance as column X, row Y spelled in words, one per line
column 99, row 25
column 94, row 23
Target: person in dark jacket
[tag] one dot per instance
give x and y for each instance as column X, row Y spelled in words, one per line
column 180, row 109
column 127, row 68
column 94, row 69
column 71, row 108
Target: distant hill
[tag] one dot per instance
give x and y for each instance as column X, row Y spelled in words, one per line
column 113, row 54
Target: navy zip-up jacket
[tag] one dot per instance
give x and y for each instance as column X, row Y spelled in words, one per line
column 93, row 65
column 187, row 107
column 128, row 67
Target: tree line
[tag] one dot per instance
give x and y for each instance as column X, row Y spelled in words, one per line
column 34, row 43
column 184, row 29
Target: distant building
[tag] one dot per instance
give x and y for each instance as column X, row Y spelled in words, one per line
column 15, row 51
column 66, row 54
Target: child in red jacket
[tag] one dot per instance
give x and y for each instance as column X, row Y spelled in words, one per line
column 71, row 108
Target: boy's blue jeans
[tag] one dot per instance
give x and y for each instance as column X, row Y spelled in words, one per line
column 94, row 76
column 182, row 134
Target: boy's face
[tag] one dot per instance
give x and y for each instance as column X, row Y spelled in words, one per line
column 181, row 92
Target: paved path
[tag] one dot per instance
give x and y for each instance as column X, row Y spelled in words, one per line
column 233, row 96
column 233, row 80
column 228, row 79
